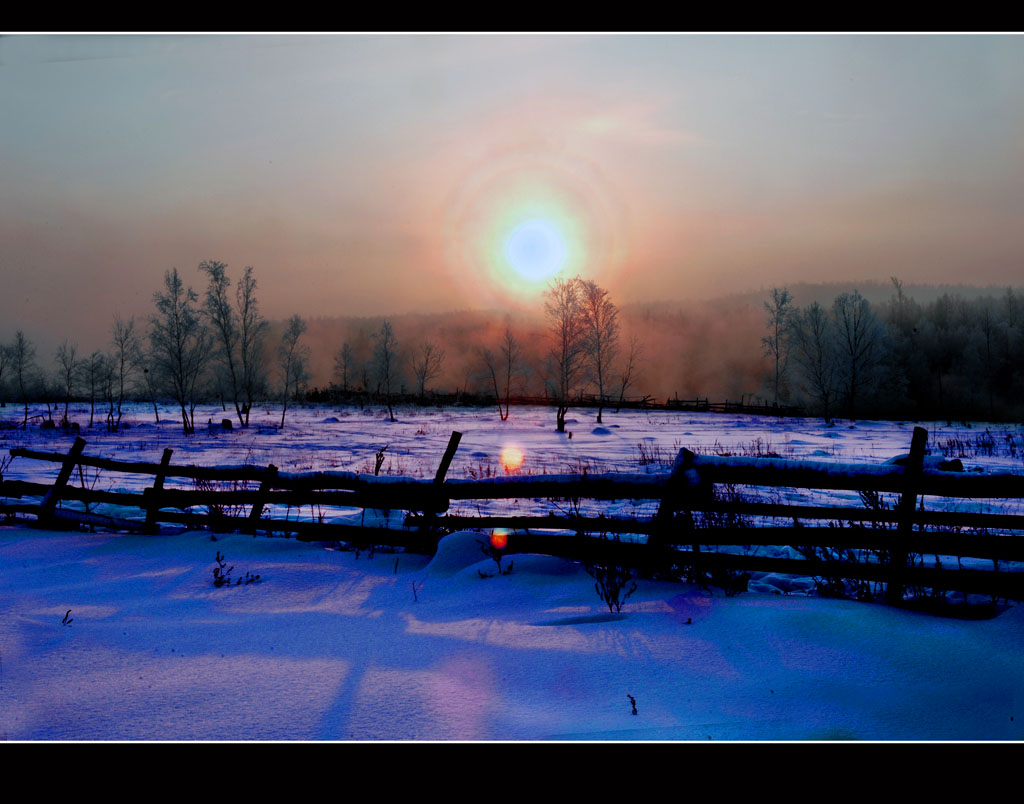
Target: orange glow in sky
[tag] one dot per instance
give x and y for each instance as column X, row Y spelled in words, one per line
column 511, row 458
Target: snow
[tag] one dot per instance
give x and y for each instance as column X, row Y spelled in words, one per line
column 337, row 645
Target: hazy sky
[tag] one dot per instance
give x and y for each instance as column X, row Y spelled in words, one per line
column 379, row 174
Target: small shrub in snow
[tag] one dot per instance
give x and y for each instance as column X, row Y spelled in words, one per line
column 222, row 574
column 610, row 583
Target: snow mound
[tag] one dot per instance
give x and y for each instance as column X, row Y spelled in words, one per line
column 330, row 420
column 456, row 552
column 601, row 431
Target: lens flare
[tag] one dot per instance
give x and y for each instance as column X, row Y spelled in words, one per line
column 499, row 538
column 511, row 458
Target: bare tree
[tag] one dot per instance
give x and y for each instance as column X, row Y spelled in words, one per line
column 239, row 331
column 180, row 345
column 859, row 344
column 125, row 359
column 5, row 362
column 294, row 361
column 93, row 370
column 503, row 370
column 69, row 366
column 814, row 350
column 601, row 323
column 385, row 361
column 344, row 363
column 777, row 342
column 426, row 365
column 567, row 334
column 224, row 323
column 630, row 368
column 251, row 330
column 23, row 364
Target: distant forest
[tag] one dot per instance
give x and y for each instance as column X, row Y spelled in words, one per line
column 871, row 350
column 868, row 351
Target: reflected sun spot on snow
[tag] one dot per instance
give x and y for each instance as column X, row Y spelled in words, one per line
column 511, row 458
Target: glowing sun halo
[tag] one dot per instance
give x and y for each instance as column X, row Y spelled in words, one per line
column 536, row 250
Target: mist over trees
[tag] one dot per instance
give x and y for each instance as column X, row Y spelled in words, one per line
column 953, row 353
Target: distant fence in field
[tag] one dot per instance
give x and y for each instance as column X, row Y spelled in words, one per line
column 580, row 400
column 700, row 526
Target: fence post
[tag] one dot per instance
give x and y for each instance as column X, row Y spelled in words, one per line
column 429, row 517
column 269, row 476
column 907, row 505
column 52, row 497
column 679, row 495
column 153, row 504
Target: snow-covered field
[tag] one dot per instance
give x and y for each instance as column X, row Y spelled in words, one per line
column 125, row 637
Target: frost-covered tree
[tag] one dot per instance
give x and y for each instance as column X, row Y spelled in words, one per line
column 180, row 345
column 601, row 337
column 294, row 361
column 567, row 336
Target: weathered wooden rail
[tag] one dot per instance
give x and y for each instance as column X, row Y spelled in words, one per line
column 701, row 526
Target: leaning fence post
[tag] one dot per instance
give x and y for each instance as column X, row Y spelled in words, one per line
column 907, row 504
column 52, row 497
column 153, row 505
column 429, row 516
column 269, row 476
column 446, row 459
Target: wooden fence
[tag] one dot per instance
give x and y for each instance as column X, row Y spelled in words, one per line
column 706, row 521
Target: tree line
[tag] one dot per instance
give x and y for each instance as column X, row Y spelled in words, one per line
column 952, row 358
column 188, row 350
column 194, row 349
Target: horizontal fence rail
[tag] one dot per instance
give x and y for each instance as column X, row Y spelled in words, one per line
column 701, row 526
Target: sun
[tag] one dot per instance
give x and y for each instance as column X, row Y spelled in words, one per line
column 536, row 250
column 515, row 221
